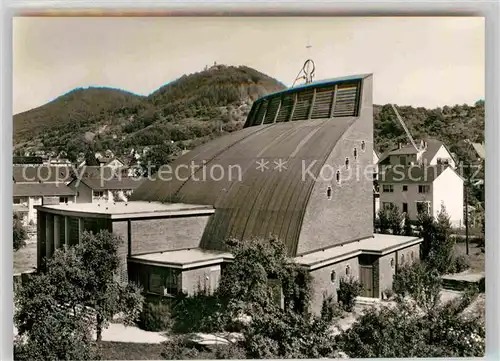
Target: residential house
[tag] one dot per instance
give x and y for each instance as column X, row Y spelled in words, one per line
column 103, row 184
column 418, row 188
column 432, row 152
column 39, row 185
column 175, row 228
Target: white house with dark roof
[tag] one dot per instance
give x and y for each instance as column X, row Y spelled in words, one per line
column 414, row 189
column 434, row 152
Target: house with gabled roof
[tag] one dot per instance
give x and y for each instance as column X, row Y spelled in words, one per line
column 431, row 152
column 103, row 184
column 423, row 188
column 39, row 185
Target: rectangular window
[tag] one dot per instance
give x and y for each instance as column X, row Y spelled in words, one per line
column 17, row 200
column 424, row 188
column 155, row 283
column 402, row 160
column 423, row 207
column 63, row 199
column 405, row 188
column 388, row 188
column 405, row 207
column 387, row 205
column 98, row 194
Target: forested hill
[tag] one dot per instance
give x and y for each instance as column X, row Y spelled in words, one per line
column 201, row 106
column 187, row 111
column 450, row 124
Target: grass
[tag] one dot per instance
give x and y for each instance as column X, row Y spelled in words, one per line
column 131, row 351
column 25, row 258
column 476, row 256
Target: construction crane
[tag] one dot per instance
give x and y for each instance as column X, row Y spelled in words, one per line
column 406, row 129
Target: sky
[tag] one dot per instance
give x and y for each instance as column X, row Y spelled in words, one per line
column 426, row 61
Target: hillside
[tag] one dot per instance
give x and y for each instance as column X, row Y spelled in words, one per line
column 187, row 111
column 201, row 106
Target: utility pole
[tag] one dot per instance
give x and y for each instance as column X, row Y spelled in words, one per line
column 467, row 217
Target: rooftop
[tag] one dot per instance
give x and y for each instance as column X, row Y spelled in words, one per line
column 127, row 210
column 41, row 190
column 184, row 258
column 379, row 244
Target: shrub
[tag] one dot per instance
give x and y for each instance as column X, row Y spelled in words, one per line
column 459, row 264
column 330, row 309
column 349, row 289
column 179, row 348
column 155, row 317
column 388, row 293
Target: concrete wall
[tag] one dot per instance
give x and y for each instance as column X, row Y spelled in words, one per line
column 205, row 278
column 347, row 215
column 449, row 191
column 384, row 272
column 321, row 281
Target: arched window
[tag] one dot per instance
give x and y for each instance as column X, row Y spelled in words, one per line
column 363, row 145
column 347, row 163
column 392, row 262
column 337, row 176
column 329, row 192
column 402, row 258
column 412, row 255
column 333, row 277
column 347, row 270
column 355, row 153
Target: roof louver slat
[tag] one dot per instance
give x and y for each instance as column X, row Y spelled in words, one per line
column 346, row 100
column 304, row 102
column 285, row 109
column 272, row 109
column 322, row 103
column 259, row 117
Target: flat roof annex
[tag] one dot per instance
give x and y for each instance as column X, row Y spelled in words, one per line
column 379, row 244
column 128, row 210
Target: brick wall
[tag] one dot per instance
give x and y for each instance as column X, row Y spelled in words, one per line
column 321, row 281
column 348, row 214
column 162, row 234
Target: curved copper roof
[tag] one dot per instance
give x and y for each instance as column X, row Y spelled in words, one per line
column 260, row 203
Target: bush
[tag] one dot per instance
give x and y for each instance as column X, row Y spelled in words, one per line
column 330, row 309
column 459, row 264
column 349, row 289
column 179, row 348
column 388, row 293
column 155, row 317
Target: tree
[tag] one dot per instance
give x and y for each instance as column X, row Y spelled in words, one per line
column 407, row 228
column 382, row 222
column 417, row 327
column 19, row 233
column 426, row 228
column 395, row 220
column 76, row 295
column 98, row 254
column 47, row 331
column 441, row 252
column 158, row 156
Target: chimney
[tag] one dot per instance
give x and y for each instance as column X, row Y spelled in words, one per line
column 399, row 146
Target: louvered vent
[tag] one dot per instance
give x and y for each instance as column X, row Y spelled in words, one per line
column 304, row 102
column 274, row 104
column 346, row 100
column 251, row 115
column 323, row 103
column 285, row 108
column 261, row 112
